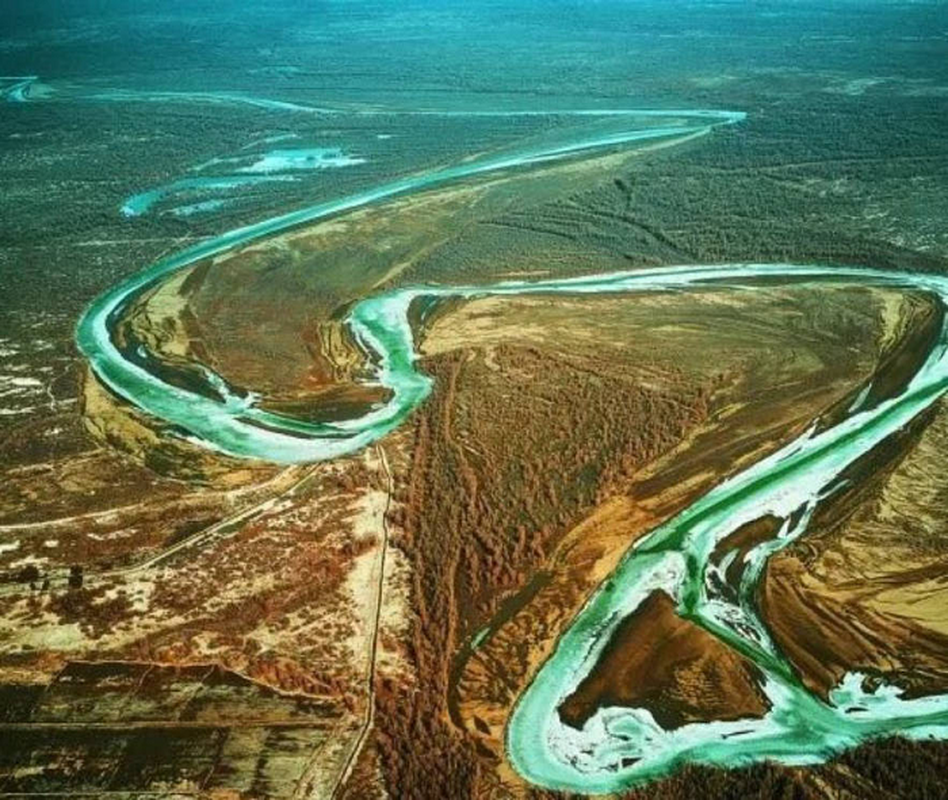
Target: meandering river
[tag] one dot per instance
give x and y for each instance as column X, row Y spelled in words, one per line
column 617, row 747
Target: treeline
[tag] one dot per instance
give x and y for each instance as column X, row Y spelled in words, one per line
column 830, row 178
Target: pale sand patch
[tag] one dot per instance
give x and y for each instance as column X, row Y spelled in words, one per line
column 493, row 320
column 363, row 582
column 925, row 602
column 46, row 633
column 395, row 619
column 362, row 587
column 893, row 318
column 163, row 311
column 368, row 519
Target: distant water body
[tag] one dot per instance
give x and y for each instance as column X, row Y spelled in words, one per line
column 269, row 166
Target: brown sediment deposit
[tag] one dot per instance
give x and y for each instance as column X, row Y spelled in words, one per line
column 864, row 589
column 679, row 672
column 271, row 315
